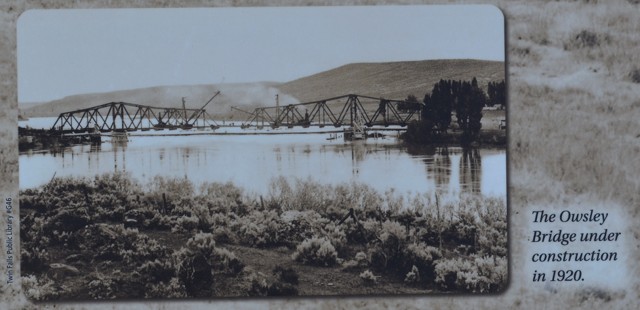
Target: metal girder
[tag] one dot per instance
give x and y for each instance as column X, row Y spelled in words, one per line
column 333, row 111
column 123, row 116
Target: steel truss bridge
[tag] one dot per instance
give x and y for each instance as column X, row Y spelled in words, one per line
column 123, row 116
column 347, row 110
column 339, row 111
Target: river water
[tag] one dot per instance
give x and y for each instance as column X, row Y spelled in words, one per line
column 252, row 161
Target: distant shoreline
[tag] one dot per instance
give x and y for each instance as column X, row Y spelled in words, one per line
column 491, row 137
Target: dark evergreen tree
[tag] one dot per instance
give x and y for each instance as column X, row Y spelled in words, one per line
column 444, row 107
column 427, row 112
column 471, row 100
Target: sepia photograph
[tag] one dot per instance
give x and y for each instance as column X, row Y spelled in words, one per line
column 262, row 152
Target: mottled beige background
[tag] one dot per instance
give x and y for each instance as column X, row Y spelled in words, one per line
column 574, row 129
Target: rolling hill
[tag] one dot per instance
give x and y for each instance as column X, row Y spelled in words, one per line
column 393, row 80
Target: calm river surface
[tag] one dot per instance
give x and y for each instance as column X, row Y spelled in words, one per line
column 252, row 161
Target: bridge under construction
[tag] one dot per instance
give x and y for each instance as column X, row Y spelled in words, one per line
column 354, row 111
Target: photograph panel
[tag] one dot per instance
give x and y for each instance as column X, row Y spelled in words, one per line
column 239, row 152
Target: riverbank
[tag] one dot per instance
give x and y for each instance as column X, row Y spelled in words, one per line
column 42, row 139
column 493, row 132
column 486, row 138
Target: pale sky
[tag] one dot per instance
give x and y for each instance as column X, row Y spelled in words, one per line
column 68, row 52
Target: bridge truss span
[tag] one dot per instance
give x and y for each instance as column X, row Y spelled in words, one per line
column 123, row 116
column 347, row 110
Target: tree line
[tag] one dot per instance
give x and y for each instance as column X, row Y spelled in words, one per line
column 465, row 98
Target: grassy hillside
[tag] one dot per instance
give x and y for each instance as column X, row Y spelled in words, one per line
column 394, row 80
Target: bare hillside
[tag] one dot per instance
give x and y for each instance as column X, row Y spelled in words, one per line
column 394, row 80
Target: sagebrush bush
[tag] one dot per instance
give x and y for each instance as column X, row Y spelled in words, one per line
column 392, row 236
column 185, row 224
column 260, row 228
column 360, row 262
column 156, row 270
column 116, row 243
column 475, row 275
column 368, row 277
column 413, row 276
column 258, row 285
column 39, row 288
column 316, row 251
column 423, row 258
column 172, row 288
column 301, row 225
column 362, row 259
column 387, row 253
column 199, row 260
column 103, row 288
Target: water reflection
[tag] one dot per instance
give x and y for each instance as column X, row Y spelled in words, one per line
column 470, row 170
column 251, row 162
column 440, row 167
column 358, row 152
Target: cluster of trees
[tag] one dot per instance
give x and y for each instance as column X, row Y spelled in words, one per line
column 465, row 98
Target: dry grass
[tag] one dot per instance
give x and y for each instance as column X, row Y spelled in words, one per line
column 574, row 118
column 393, row 80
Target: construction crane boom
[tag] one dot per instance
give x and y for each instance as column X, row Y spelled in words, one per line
column 243, row 111
column 201, row 109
